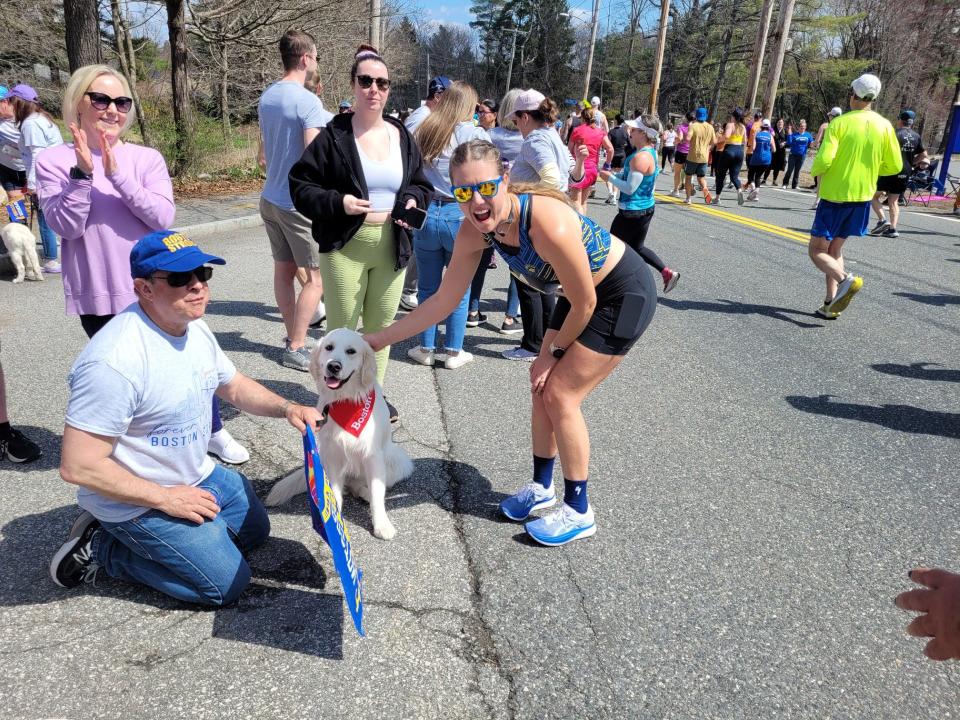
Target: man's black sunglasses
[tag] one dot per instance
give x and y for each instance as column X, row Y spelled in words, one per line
column 102, row 102
column 182, row 279
column 383, row 84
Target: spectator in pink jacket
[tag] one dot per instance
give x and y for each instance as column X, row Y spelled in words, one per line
column 102, row 194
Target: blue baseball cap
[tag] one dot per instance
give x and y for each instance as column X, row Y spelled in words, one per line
column 167, row 250
column 4, row 91
column 908, row 116
column 701, row 114
column 438, row 85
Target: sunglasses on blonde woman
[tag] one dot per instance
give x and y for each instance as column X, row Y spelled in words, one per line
column 464, row 193
column 365, row 81
column 102, row 102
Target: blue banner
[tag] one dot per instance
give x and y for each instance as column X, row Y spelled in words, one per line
column 17, row 211
column 329, row 525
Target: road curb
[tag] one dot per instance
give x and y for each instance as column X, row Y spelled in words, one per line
column 216, row 227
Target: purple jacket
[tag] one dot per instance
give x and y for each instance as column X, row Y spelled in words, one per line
column 100, row 220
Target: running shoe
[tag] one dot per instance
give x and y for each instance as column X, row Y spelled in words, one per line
column 890, row 232
column 422, row 355
column 52, row 267
column 519, row 353
column 845, row 291
column 674, row 193
column 408, row 301
column 716, row 201
column 826, row 313
column 670, row 279
column 319, row 315
column 879, row 227
column 609, row 200
column 707, row 197
column 511, row 326
column 18, row 448
column 739, row 196
column 562, row 526
column 688, row 201
column 74, row 563
column 532, row 496
column 459, row 360
column 224, row 446
column 475, row 318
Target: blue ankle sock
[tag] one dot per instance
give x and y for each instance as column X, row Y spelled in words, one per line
column 575, row 494
column 543, row 471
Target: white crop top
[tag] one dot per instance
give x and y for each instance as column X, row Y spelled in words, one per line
column 383, row 178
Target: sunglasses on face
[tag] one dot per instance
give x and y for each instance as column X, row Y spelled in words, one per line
column 182, row 279
column 102, row 102
column 365, row 81
column 487, row 188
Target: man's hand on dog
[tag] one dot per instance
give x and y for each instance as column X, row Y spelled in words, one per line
column 189, row 502
column 302, row 415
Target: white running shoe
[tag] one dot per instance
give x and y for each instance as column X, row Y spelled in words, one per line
column 319, row 315
column 408, row 301
column 562, row 525
column 422, row 355
column 459, row 360
column 227, row 449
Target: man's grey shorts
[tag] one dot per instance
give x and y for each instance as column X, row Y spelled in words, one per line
column 290, row 236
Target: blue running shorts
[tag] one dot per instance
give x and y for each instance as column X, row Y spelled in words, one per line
column 841, row 220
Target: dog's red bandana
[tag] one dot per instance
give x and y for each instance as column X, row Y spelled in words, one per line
column 351, row 415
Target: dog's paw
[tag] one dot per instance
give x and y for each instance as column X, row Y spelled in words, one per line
column 18, row 280
column 384, row 529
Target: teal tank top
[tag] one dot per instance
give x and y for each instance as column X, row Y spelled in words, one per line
column 642, row 198
column 528, row 267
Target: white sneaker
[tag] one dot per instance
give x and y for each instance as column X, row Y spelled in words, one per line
column 459, row 360
column 319, row 315
column 227, row 449
column 52, row 267
column 562, row 525
column 674, row 193
column 408, row 301
column 422, row 355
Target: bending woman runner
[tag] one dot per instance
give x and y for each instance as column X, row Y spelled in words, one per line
column 636, row 184
column 609, row 297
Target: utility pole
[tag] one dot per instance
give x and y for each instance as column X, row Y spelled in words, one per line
column 593, row 44
column 661, row 47
column 776, row 63
column 375, row 24
column 759, row 48
column 513, row 51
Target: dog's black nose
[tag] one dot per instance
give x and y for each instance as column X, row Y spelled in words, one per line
column 334, row 367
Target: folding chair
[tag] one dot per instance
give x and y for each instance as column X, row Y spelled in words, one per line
column 921, row 185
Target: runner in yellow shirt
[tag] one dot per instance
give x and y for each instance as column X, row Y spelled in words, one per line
column 857, row 147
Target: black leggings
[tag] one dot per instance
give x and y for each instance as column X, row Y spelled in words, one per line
column 730, row 161
column 536, row 309
column 755, row 172
column 632, row 227
column 667, row 157
column 794, row 163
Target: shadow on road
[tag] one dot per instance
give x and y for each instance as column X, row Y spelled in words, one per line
column 298, row 619
column 937, row 300
column 244, row 308
column 903, row 418
column 919, row 371
column 732, row 307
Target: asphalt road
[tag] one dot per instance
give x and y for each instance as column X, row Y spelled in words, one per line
column 762, row 481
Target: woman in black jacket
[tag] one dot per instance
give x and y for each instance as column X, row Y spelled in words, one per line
column 354, row 182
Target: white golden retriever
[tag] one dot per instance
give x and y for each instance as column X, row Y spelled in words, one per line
column 22, row 247
column 355, row 443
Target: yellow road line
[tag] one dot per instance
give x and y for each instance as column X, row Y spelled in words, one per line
column 741, row 220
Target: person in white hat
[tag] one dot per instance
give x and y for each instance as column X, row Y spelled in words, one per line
column 835, row 112
column 857, row 147
column 599, row 117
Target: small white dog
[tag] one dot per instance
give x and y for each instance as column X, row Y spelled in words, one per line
column 355, row 443
column 22, row 246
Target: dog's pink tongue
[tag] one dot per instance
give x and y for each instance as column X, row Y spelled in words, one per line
column 332, row 383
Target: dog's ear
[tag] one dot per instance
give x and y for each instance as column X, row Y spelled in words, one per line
column 315, row 370
column 368, row 366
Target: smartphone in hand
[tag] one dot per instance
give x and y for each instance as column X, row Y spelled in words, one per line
column 414, row 217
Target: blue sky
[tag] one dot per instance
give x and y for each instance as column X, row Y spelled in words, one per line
column 447, row 11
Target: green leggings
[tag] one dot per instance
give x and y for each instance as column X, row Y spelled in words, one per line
column 360, row 280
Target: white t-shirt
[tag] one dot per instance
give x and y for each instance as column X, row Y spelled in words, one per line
column 10, row 155
column 438, row 172
column 153, row 392
column 36, row 134
column 416, row 117
column 669, row 138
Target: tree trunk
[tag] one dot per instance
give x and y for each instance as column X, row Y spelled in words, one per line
column 82, row 33
column 724, row 58
column 128, row 63
column 626, row 83
column 182, row 116
column 224, row 99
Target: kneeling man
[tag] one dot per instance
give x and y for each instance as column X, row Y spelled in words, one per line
column 158, row 510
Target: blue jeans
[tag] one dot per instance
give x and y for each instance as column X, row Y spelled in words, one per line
column 434, row 248
column 513, row 299
column 201, row 564
column 47, row 236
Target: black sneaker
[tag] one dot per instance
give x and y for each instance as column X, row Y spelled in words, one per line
column 394, row 413
column 890, row 232
column 74, row 562
column 18, row 448
column 475, row 318
column 880, row 227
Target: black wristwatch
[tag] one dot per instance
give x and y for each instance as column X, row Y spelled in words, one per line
column 557, row 352
column 78, row 174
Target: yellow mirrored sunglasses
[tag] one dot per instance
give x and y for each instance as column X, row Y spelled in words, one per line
column 487, row 188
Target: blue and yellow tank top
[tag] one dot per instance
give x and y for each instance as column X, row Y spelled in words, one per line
column 528, row 267
column 642, row 197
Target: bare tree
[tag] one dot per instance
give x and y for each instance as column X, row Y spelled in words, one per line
column 82, row 32
column 123, row 45
column 182, row 105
